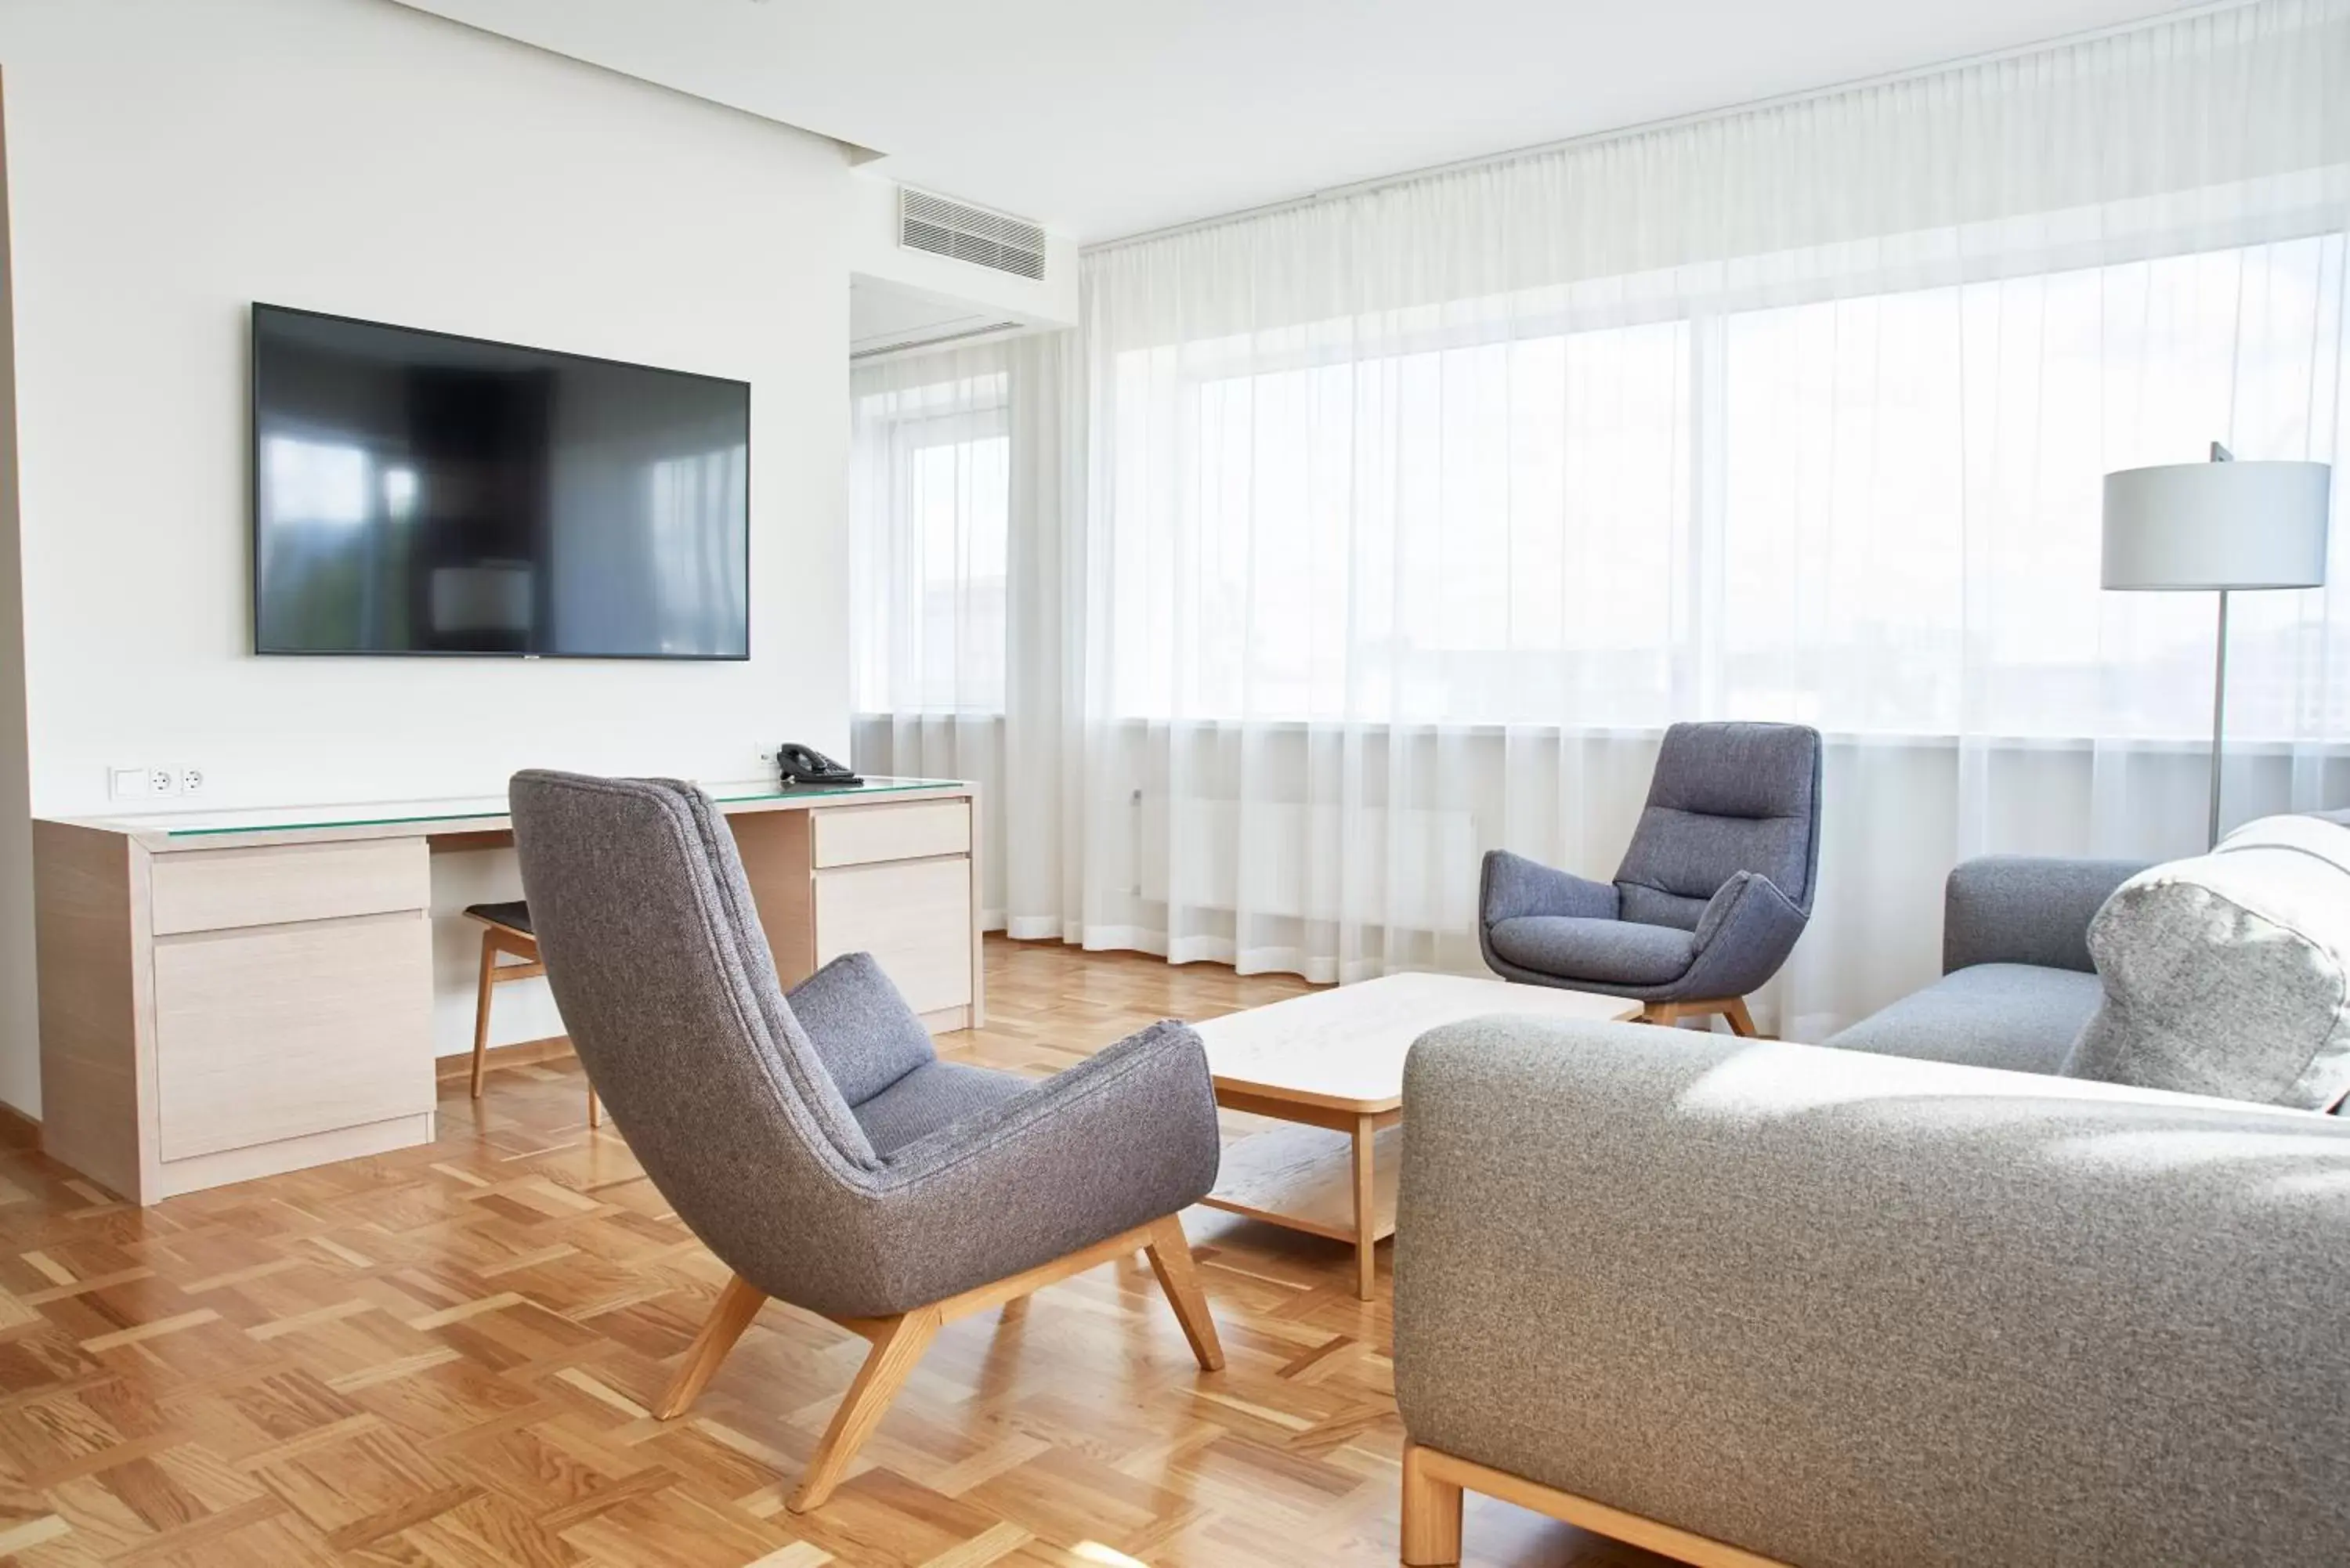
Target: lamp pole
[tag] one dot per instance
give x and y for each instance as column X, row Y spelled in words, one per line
column 2218, row 686
column 2219, row 716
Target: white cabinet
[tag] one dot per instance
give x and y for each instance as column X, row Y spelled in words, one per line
column 912, row 916
column 275, row 1031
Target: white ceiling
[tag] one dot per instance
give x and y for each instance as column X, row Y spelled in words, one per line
column 1105, row 117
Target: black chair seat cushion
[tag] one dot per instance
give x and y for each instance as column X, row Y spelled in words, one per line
column 1618, row 952
column 515, row 915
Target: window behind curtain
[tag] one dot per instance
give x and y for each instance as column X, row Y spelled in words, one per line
column 1872, row 510
column 929, row 510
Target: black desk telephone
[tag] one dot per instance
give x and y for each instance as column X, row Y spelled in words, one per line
column 798, row 764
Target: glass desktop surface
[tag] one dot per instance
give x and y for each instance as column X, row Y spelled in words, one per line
column 386, row 813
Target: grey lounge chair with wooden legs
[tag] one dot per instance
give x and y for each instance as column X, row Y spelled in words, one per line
column 815, row 1143
column 1711, row 896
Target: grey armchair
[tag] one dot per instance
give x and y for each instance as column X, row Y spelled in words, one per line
column 1709, row 898
column 817, row 1145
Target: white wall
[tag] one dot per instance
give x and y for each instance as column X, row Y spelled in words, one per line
column 169, row 163
column 19, row 1015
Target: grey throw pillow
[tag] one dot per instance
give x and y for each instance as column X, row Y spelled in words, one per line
column 862, row 1029
column 2228, row 974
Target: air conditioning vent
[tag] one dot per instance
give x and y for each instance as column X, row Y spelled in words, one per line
column 969, row 233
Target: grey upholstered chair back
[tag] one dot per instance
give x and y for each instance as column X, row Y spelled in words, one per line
column 1725, row 798
column 656, row 956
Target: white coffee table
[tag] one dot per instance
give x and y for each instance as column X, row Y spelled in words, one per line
column 1332, row 1063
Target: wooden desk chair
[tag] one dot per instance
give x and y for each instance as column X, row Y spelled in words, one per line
column 505, row 928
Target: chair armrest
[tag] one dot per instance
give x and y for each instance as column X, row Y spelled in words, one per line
column 1836, row 1307
column 2026, row 909
column 1512, row 885
column 1126, row 1137
column 1748, row 930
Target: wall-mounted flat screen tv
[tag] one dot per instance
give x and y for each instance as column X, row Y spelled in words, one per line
column 419, row 493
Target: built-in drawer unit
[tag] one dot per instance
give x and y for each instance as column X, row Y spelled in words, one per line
column 217, row 889
column 221, row 1002
column 863, row 835
column 271, row 1033
column 912, row 916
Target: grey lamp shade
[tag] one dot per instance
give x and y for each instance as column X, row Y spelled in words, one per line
column 2217, row 525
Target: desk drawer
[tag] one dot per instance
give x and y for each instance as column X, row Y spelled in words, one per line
column 218, row 889
column 858, row 835
column 914, row 917
column 273, row 1034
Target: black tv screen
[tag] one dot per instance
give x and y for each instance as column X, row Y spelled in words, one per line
column 419, row 493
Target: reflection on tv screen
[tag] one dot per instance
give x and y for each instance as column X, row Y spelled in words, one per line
column 415, row 492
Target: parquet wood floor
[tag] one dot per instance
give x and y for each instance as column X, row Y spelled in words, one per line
column 443, row 1359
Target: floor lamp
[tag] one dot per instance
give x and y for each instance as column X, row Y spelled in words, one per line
column 2223, row 525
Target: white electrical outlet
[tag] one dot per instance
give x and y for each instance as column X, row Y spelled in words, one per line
column 192, row 781
column 127, row 784
column 162, row 781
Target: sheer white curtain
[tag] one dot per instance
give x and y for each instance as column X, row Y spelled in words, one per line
column 1411, row 516
column 1346, row 541
column 930, row 514
column 960, row 463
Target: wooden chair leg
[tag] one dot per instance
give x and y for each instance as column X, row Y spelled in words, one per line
column 595, row 1108
column 737, row 1304
column 1170, row 1252
column 896, row 1347
column 1432, row 1514
column 482, row 1008
column 1732, row 1008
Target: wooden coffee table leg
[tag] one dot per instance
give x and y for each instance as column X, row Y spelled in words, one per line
column 1366, row 1241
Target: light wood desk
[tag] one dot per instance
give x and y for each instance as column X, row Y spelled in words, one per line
column 228, row 995
column 1333, row 1060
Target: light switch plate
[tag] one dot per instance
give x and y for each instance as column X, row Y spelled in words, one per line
column 127, row 784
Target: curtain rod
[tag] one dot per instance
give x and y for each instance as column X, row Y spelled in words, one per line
column 1671, row 122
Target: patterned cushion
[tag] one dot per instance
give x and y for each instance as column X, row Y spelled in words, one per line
column 2228, row 974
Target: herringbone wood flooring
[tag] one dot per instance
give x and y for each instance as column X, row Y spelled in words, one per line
column 444, row 1357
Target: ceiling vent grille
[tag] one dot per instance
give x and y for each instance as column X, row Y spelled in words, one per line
column 969, row 233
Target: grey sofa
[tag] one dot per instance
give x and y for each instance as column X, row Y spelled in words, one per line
column 1842, row 1309
column 2017, row 981
column 815, row 1143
